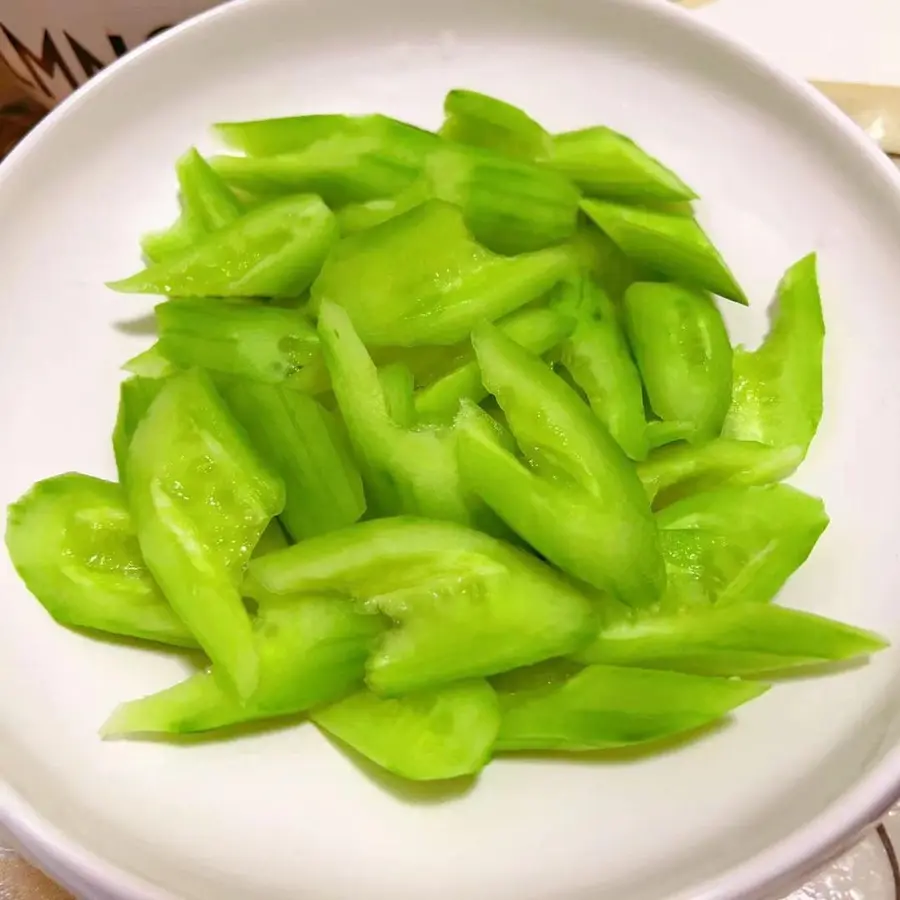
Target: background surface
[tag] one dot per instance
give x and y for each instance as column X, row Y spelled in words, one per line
column 827, row 40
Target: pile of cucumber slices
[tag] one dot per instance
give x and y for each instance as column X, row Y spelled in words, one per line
column 444, row 443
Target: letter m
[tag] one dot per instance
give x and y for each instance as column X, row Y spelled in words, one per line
column 41, row 68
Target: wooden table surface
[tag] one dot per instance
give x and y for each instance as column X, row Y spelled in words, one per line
column 17, row 115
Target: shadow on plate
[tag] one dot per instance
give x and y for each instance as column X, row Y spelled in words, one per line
column 416, row 793
column 819, row 670
column 227, row 734
column 193, row 656
column 620, row 755
column 143, row 326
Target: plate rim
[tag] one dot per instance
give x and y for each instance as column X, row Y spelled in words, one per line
column 783, row 864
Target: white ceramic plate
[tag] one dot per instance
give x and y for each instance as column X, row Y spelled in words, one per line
column 284, row 814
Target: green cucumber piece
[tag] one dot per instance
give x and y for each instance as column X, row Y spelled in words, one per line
column 604, row 163
column 546, row 674
column 340, row 172
column 311, row 650
column 677, row 471
column 398, row 386
column 355, row 217
column 427, row 281
column 275, row 250
column 343, row 159
column 600, row 258
column 407, row 470
column 683, row 352
column 426, row 736
column 601, row 530
column 171, row 242
column 509, row 206
column 660, row 433
column 778, row 387
column 597, row 357
column 135, row 396
column 203, row 192
column 291, row 134
column 207, row 204
column 464, row 604
column 272, row 539
column 150, row 364
column 557, row 518
column 537, row 330
column 201, row 498
column 743, row 543
column 249, row 340
column 300, row 441
column 73, row 543
column 604, row 707
column 737, row 640
column 482, row 121
column 600, row 161
column 673, row 245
